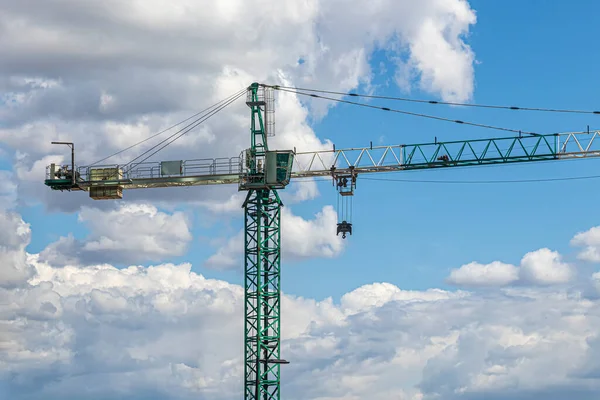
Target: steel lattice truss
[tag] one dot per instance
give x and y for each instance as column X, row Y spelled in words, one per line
column 450, row 154
column 262, row 285
column 368, row 160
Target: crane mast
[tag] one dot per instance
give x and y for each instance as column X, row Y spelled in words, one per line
column 265, row 172
column 262, row 172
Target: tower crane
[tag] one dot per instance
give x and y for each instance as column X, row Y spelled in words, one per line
column 261, row 172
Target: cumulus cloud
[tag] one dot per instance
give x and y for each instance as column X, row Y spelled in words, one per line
column 590, row 242
column 476, row 274
column 545, row 266
column 157, row 63
column 303, row 239
column 131, row 233
column 169, row 330
column 303, row 190
column 375, row 295
column 455, row 82
column 15, row 235
column 540, row 267
column 164, row 331
column 108, row 322
column 311, row 238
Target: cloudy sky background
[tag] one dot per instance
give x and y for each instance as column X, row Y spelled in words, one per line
column 462, row 292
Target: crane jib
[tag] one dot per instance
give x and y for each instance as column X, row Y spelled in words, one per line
column 364, row 160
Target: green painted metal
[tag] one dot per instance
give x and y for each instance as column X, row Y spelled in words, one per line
column 258, row 137
column 60, row 184
column 479, row 152
column 262, row 258
column 262, row 294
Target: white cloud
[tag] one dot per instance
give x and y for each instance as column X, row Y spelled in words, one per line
column 590, row 241
column 304, row 190
column 545, row 266
column 375, row 295
column 165, row 331
column 455, row 82
column 540, row 267
column 184, row 332
column 158, row 62
column 476, row 274
column 303, row 239
column 310, row 238
column 130, row 233
column 15, row 235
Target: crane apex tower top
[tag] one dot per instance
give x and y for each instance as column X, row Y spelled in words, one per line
column 264, row 168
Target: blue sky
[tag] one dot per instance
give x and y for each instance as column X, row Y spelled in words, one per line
column 527, row 54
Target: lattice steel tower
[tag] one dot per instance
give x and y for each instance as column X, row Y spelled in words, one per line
column 264, row 172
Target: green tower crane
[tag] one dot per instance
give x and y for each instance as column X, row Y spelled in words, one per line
column 261, row 172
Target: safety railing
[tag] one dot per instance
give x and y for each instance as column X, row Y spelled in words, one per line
column 151, row 170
